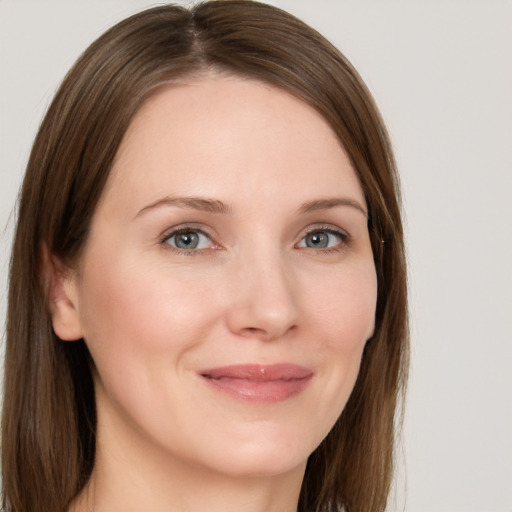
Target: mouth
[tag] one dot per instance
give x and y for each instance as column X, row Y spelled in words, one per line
column 259, row 383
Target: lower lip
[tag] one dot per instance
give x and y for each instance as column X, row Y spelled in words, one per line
column 259, row 391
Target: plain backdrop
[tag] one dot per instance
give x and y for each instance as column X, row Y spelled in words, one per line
column 441, row 72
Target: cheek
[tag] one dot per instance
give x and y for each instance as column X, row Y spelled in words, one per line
column 346, row 307
column 346, row 317
column 139, row 313
column 140, row 327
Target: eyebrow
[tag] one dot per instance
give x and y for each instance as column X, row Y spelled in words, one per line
column 192, row 203
column 331, row 202
column 215, row 206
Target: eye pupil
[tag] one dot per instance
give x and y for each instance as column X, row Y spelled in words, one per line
column 187, row 240
column 317, row 239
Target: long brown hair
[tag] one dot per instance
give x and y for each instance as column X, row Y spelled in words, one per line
column 49, row 418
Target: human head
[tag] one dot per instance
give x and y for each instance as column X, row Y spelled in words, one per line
column 68, row 168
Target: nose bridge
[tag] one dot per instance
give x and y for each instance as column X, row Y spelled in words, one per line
column 264, row 302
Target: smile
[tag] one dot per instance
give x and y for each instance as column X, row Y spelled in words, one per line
column 259, row 383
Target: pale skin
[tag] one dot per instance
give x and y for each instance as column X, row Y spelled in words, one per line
column 232, row 231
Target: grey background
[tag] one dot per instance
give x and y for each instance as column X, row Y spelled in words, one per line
column 441, row 72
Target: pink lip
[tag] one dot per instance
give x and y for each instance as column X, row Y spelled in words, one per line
column 259, row 383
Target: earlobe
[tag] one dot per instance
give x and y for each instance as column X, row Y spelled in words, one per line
column 62, row 298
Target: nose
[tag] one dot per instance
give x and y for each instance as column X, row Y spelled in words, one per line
column 263, row 299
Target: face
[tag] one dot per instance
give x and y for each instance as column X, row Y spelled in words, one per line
column 228, row 288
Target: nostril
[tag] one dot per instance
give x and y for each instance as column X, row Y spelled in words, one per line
column 266, row 334
column 253, row 330
column 262, row 313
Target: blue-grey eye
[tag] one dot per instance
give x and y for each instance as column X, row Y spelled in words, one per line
column 320, row 239
column 189, row 239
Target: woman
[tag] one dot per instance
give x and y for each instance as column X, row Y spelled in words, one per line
column 207, row 304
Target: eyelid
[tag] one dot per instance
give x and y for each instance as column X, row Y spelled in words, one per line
column 200, row 228
column 192, row 226
column 324, row 227
column 180, row 228
column 330, row 228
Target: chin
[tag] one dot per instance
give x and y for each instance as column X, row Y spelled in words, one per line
column 267, row 454
column 260, row 464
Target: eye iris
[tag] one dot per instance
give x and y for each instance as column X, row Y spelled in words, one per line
column 187, row 240
column 317, row 239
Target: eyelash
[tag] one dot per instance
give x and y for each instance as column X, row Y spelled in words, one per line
column 185, row 229
column 342, row 235
column 344, row 238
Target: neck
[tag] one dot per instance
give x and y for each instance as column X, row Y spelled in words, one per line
column 130, row 474
column 214, row 495
column 139, row 487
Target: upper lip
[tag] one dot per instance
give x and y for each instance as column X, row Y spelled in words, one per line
column 259, row 372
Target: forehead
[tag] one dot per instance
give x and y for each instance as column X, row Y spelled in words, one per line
column 226, row 137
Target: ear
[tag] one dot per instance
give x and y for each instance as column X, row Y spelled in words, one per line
column 62, row 296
